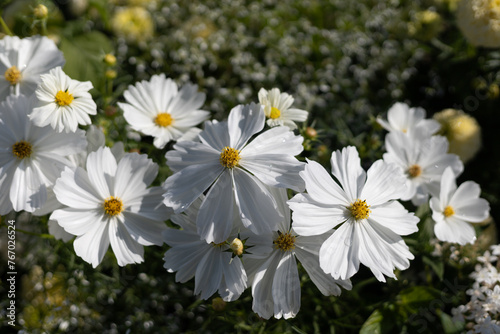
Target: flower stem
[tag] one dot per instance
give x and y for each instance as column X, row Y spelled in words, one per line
column 4, row 26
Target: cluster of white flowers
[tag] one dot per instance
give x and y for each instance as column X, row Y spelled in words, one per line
column 482, row 313
column 229, row 191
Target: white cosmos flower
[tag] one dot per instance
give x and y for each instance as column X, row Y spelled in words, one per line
column 63, row 103
column 31, row 157
column 158, row 108
column 213, row 266
column 274, row 274
column 368, row 222
column 453, row 209
column 402, row 118
column 277, row 108
column 422, row 160
column 110, row 203
column 234, row 170
column 22, row 61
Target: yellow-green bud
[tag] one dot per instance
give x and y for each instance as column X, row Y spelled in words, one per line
column 218, row 304
column 110, row 74
column 41, row 12
column 109, row 59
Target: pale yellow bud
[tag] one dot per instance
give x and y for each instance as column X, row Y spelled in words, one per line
column 41, row 12
column 237, row 246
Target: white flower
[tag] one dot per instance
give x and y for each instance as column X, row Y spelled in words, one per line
column 157, row 108
column 22, row 61
column 110, row 202
column 234, row 171
column 274, row 275
column 277, row 108
column 422, row 160
column 63, row 103
column 368, row 222
column 402, row 118
column 453, row 209
column 31, row 158
column 212, row 265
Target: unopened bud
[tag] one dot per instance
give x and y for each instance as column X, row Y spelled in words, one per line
column 311, row 133
column 110, row 74
column 218, row 304
column 40, row 12
column 237, row 246
column 109, row 59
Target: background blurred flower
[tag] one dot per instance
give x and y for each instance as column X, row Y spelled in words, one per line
column 135, row 24
column 479, row 21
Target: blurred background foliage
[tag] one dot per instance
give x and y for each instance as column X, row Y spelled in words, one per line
column 346, row 62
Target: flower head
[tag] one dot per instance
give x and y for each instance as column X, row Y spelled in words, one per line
column 134, row 23
column 110, row 203
column 22, row 61
column 31, row 157
column 368, row 222
column 479, row 21
column 234, row 170
column 277, row 107
column 63, row 103
column 158, row 108
column 402, row 118
column 453, row 209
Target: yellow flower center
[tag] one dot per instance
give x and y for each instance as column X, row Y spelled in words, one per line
column 448, row 211
column 414, row 171
column 219, row 245
column 113, row 206
column 275, row 113
column 13, row 75
column 63, row 98
column 360, row 210
column 22, row 149
column 163, row 119
column 284, row 241
column 229, row 157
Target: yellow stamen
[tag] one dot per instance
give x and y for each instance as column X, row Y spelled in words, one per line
column 275, row 113
column 63, row 98
column 284, row 241
column 448, row 211
column 22, row 149
column 13, row 75
column 360, row 210
column 414, row 171
column 229, row 157
column 113, row 206
column 163, row 119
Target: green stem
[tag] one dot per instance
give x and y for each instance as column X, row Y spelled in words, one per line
column 4, row 26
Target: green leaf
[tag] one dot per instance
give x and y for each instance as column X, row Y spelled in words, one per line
column 83, row 54
column 414, row 298
column 450, row 326
column 373, row 325
column 436, row 264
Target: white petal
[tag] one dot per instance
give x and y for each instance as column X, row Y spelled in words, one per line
column 278, row 140
column 262, row 287
column 338, row 255
column 92, row 245
column 215, row 135
column 101, row 169
column 208, row 275
column 321, row 187
column 134, row 173
column 395, row 217
column 125, row 248
column 243, row 122
column 234, row 281
column 455, row 230
column 191, row 153
column 286, row 288
column 144, row 230
column 384, row 182
column 346, row 167
column 75, row 190
column 77, row 221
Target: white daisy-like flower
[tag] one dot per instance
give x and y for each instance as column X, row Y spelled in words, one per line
column 453, row 209
column 368, row 222
column 402, row 118
column 110, row 203
column 63, row 103
column 234, row 170
column 277, row 108
column 422, row 160
column 213, row 266
column 158, row 108
column 274, row 275
column 31, row 157
column 22, row 61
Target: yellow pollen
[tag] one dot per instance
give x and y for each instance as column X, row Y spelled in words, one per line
column 284, row 241
column 13, row 75
column 22, row 149
column 414, row 171
column 163, row 119
column 229, row 157
column 113, row 206
column 275, row 113
column 64, row 98
column 360, row 210
column 448, row 211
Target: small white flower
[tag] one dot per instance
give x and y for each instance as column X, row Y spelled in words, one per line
column 277, row 108
column 31, row 157
column 110, row 203
column 453, row 209
column 63, row 103
column 422, row 160
column 274, row 274
column 22, row 61
column 402, row 118
column 368, row 222
column 157, row 108
column 234, row 170
column 212, row 265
